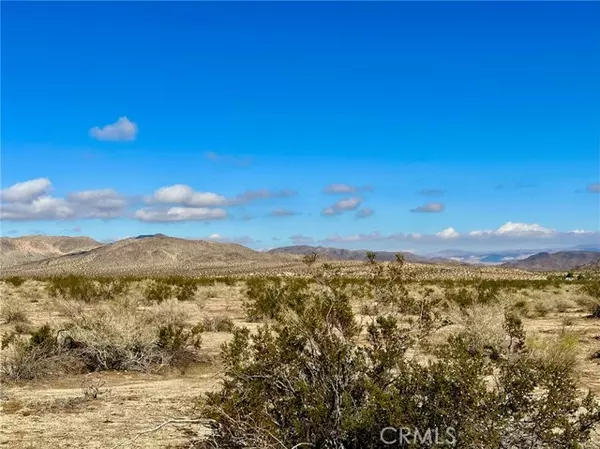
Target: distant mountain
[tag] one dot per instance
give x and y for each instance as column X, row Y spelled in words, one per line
column 558, row 261
column 347, row 254
column 153, row 255
column 504, row 256
column 31, row 248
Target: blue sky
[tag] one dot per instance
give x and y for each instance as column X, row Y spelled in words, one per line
column 440, row 125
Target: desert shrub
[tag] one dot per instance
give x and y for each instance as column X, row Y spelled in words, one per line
column 112, row 336
column 158, row 291
column 267, row 298
column 217, row 324
column 591, row 288
column 34, row 357
column 562, row 305
column 315, row 377
column 15, row 281
column 481, row 292
column 180, row 343
column 85, row 289
column 541, row 308
column 12, row 311
column 120, row 336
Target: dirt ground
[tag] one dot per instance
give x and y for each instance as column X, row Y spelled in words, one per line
column 55, row 414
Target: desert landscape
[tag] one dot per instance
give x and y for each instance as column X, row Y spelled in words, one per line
column 299, row 225
column 107, row 380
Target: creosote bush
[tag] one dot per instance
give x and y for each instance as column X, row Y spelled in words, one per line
column 316, row 377
column 15, row 281
column 88, row 290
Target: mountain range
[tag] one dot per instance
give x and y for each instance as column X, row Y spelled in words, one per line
column 161, row 254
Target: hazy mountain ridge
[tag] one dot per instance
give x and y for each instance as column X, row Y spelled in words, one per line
column 559, row 261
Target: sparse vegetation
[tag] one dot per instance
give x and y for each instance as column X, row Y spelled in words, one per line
column 309, row 378
column 128, row 330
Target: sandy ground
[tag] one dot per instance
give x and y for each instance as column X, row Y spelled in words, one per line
column 55, row 413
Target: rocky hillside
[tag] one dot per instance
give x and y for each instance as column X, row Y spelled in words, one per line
column 157, row 254
column 31, row 248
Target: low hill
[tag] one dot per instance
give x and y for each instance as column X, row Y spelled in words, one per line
column 347, row 254
column 559, row 261
column 153, row 255
column 31, row 248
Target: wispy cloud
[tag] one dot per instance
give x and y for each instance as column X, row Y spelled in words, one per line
column 122, row 129
column 280, row 212
column 333, row 189
column 299, row 239
column 242, row 240
column 364, row 212
column 342, row 206
column 593, row 188
column 429, row 208
column 431, row 192
column 228, row 159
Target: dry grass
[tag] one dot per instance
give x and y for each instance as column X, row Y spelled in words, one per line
column 12, row 311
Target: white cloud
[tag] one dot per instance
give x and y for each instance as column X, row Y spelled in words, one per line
column 429, row 208
column 510, row 233
column 184, row 194
column 342, row 206
column 448, row 233
column 29, row 201
column 27, row 191
column 511, row 229
column 42, row 208
column 180, row 214
column 101, row 203
column 122, row 129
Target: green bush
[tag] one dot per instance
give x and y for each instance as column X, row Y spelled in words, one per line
column 267, row 298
